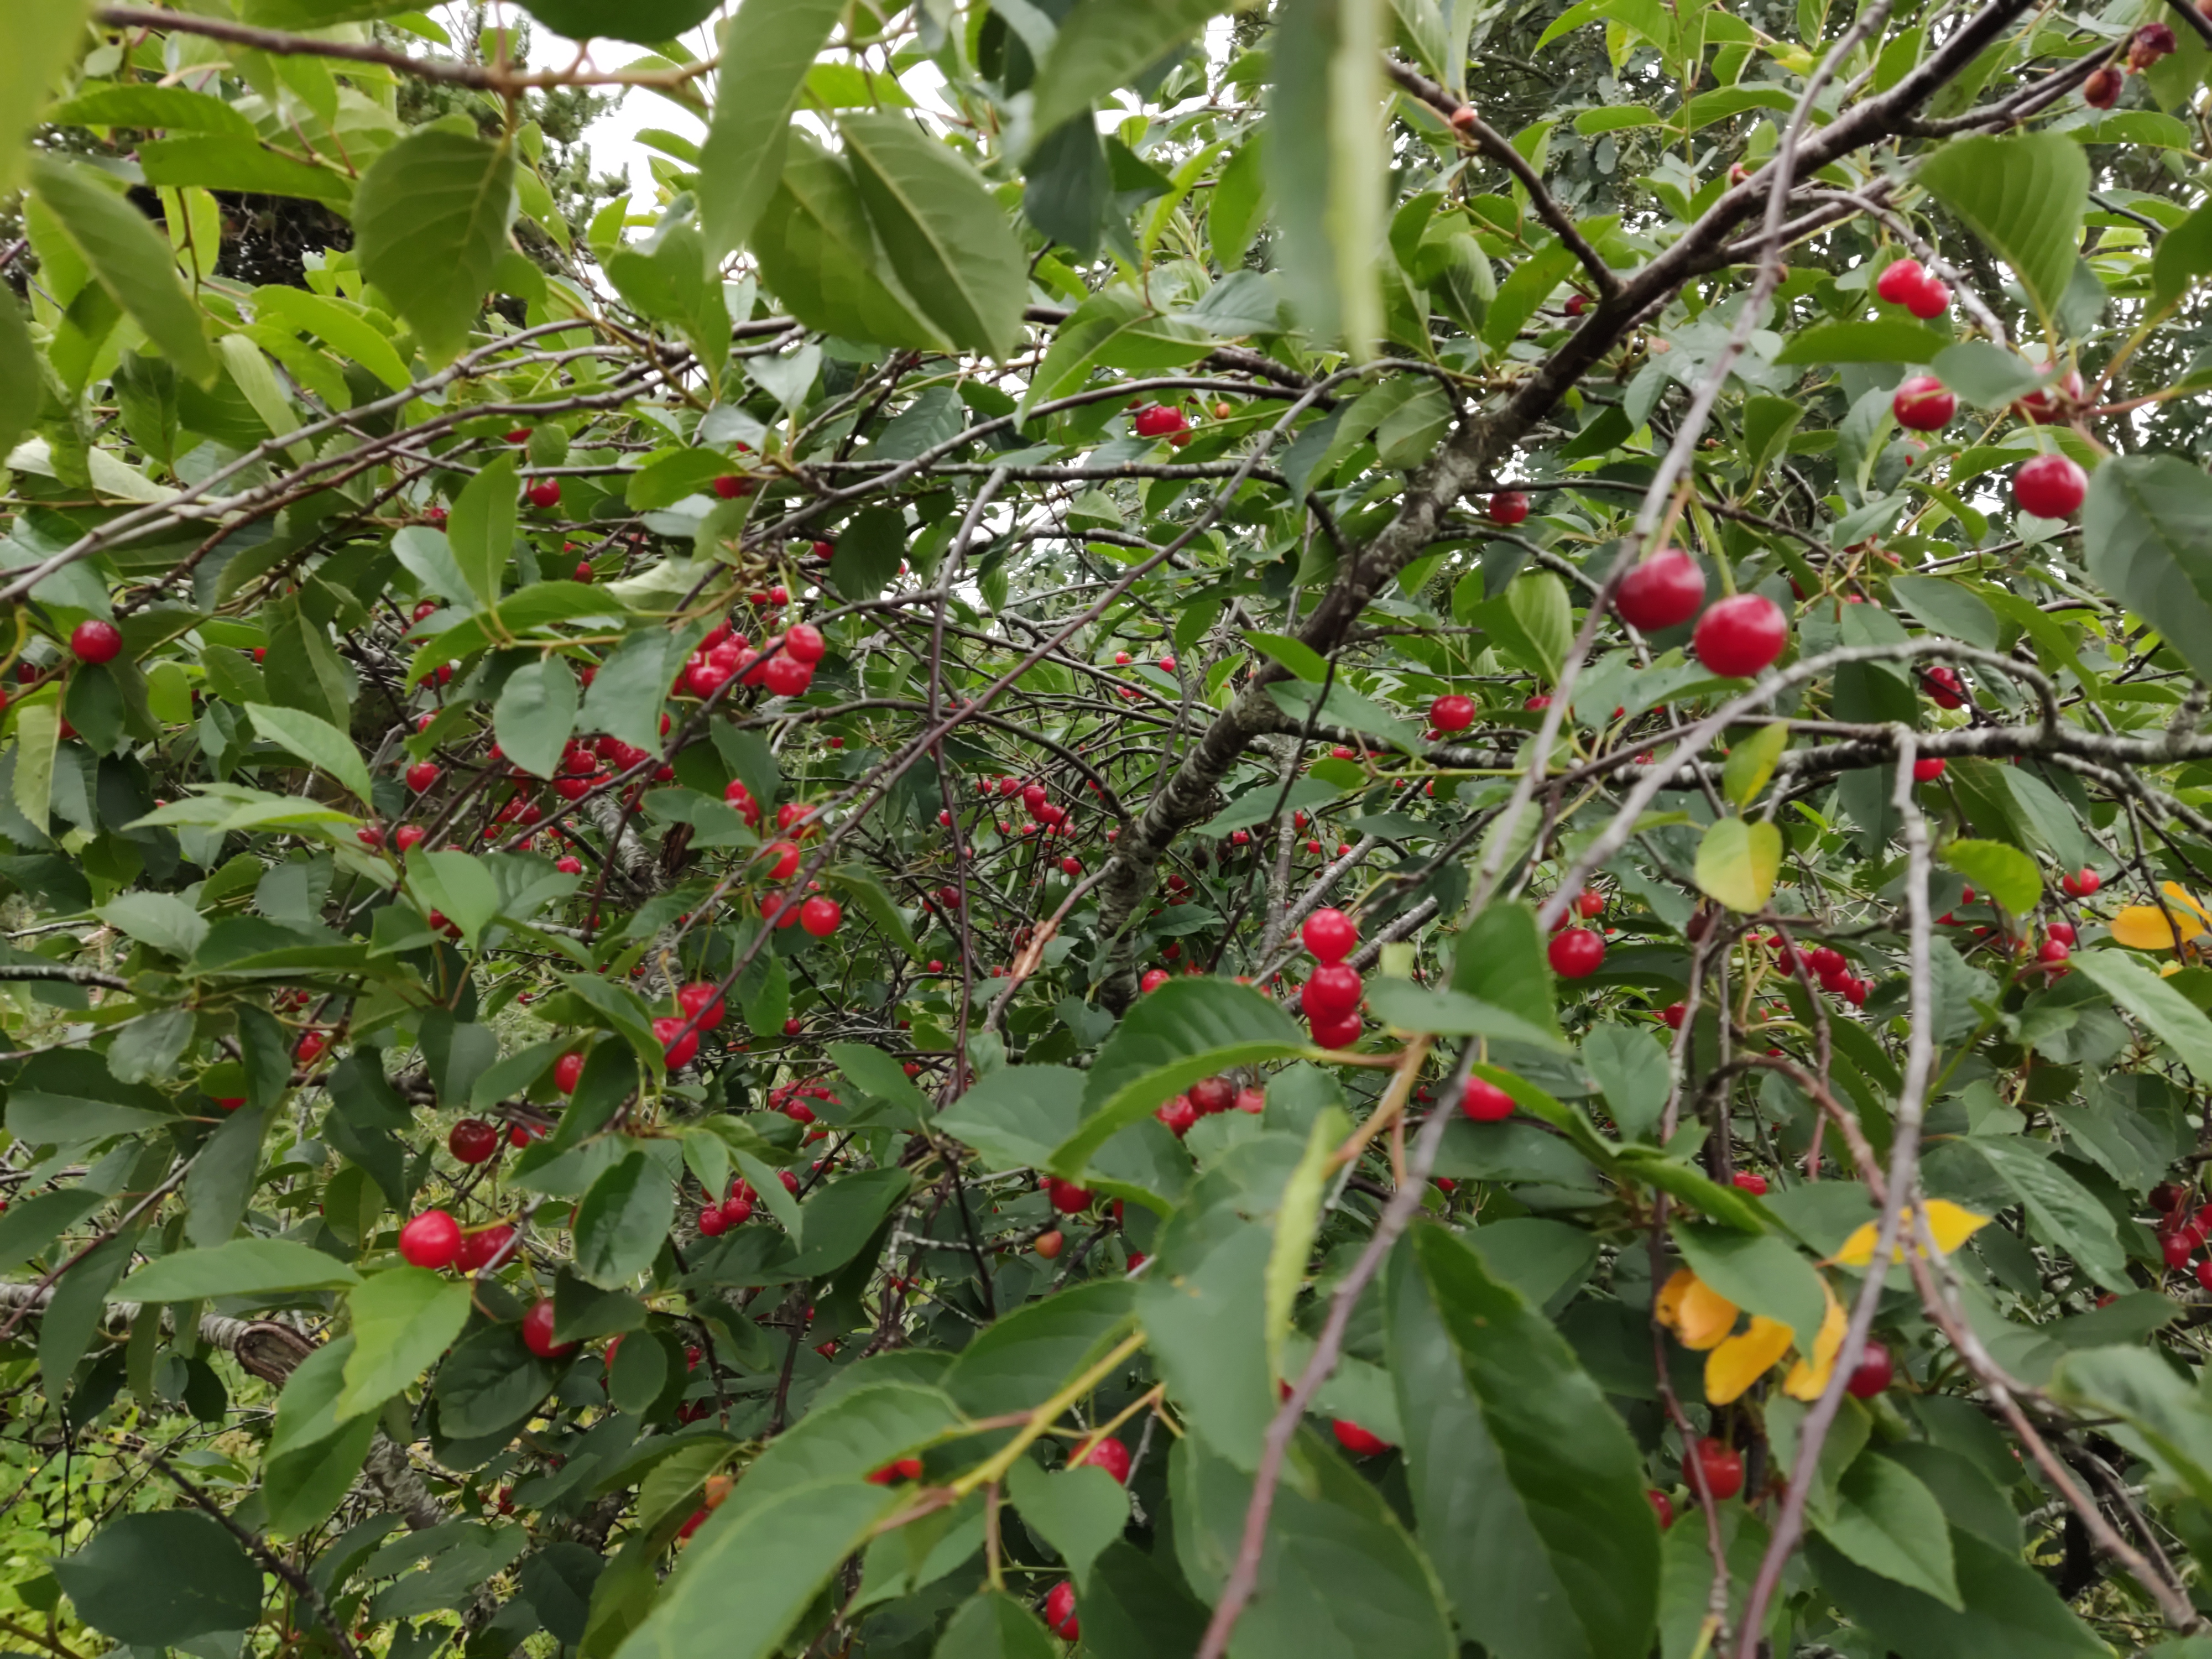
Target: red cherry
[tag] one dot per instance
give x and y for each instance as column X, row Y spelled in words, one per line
column 431, row 1239
column 567, row 1070
column 1750, row 1182
column 423, row 776
column 1663, row 1507
column 732, row 488
column 1359, row 1442
column 2050, row 486
column 1921, row 404
column 698, row 996
column 546, row 492
column 1212, row 1095
column 1722, row 1465
column 1927, row 769
column 2177, row 1249
column 2053, row 951
column 537, row 1331
column 1576, row 953
column 1109, row 1455
column 1675, row 1013
column 2061, row 931
column 1928, row 299
column 1452, row 714
column 820, row 916
column 1945, row 689
column 1253, row 1101
column 473, row 1140
column 1740, row 635
column 805, row 643
column 711, row 1223
column 96, row 640
column 1663, row 592
column 1508, row 507
column 2083, row 885
column 309, row 1048
column 1060, row 1612
column 1875, row 1372
column 2048, row 401
column 1330, row 935
column 1577, row 304
column 1179, row 1114
column 897, row 1470
column 1336, row 1033
column 481, row 1248
column 1900, row 280
column 1067, row 1198
column 1154, row 979
column 1159, row 420
column 678, row 1043
column 1484, row 1102
column 1331, row 992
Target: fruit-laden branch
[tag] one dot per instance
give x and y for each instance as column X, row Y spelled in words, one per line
column 1467, row 459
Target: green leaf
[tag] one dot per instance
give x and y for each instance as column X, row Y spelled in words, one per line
column 624, row 1221
column 1113, row 329
column 1530, row 1490
column 403, row 1319
column 2007, row 875
column 491, row 1382
column 766, row 1561
column 1500, row 961
column 873, row 1072
column 843, row 1438
column 2172, row 1017
column 1078, row 1511
column 161, row 920
column 1525, row 288
column 1340, row 1576
column 646, row 22
column 1017, row 1115
column 838, row 1219
column 536, row 714
column 317, row 742
column 43, row 40
column 1205, row 1323
column 1752, row 763
column 1326, row 161
column 128, row 256
column 1887, row 340
column 1105, row 44
column 430, row 220
column 1945, row 607
column 992, row 1625
column 222, row 1177
column 2184, row 253
column 1411, row 1007
column 2010, row 1611
column 1759, row 1272
column 344, row 328
column 770, row 45
column 159, row 1578
column 459, row 884
column 303, row 671
column 950, row 244
column 2024, row 195
column 224, row 161
column 20, row 373
column 2062, row 1208
column 1985, row 375
column 1889, row 1523
column 1030, row 1354
column 1186, row 1030
column 1239, row 203
column 2144, row 530
column 172, row 109
column 2158, row 1417
column 1738, row 862
column 818, row 253
column 481, row 530
column 1297, row 1222
column 1296, row 655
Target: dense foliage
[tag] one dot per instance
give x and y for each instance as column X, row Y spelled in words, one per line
column 1181, row 834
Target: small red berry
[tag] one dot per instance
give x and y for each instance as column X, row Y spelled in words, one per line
column 1484, row 1102
column 96, row 640
column 1330, row 935
column 537, row 1331
column 1923, row 404
column 1740, row 635
column 1508, row 507
column 472, row 1140
column 1576, row 953
column 432, row 1239
column 1663, row 592
column 2050, row 486
column 1874, row 1373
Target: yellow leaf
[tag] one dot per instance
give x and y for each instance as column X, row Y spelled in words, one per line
column 2182, row 896
column 2145, row 928
column 1807, row 1380
column 1706, row 1316
column 1951, row 1225
column 1668, row 1308
column 1742, row 1360
column 1738, row 863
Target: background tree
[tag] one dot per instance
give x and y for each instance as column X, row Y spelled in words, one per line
column 1352, row 829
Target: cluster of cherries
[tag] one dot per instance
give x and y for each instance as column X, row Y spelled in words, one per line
column 434, row 1240
column 1207, row 1097
column 738, row 1205
column 702, row 1010
column 724, row 655
column 1332, row 992
column 2050, row 486
column 2181, row 1235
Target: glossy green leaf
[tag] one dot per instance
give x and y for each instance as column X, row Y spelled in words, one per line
column 128, row 256
column 2007, row 875
column 2024, row 195
column 317, row 742
column 430, row 219
column 622, row 1221
column 403, row 1319
column 771, row 46
column 535, row 714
